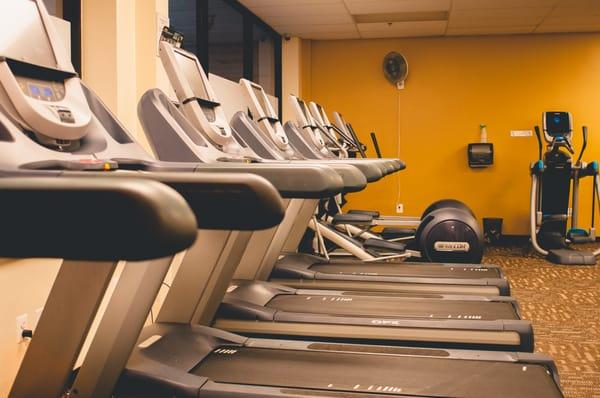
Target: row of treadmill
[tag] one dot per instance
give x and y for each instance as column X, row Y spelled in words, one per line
column 223, row 206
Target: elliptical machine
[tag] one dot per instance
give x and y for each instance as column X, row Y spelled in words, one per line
column 551, row 179
column 447, row 231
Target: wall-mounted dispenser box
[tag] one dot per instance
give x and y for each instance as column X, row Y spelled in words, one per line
column 480, row 155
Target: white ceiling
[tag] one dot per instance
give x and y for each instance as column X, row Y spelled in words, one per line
column 335, row 19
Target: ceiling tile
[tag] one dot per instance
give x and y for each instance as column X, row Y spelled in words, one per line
column 313, row 20
column 270, row 3
column 567, row 28
column 506, row 17
column 490, row 13
column 489, row 30
column 569, row 8
column 555, row 24
column 331, row 19
column 572, row 21
column 302, row 29
column 287, row 10
column 483, row 4
column 393, row 6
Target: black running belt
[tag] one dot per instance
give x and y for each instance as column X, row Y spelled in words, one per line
column 394, row 307
column 417, row 271
column 364, row 373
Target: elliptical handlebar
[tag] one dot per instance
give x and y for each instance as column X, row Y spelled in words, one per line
column 359, row 144
column 569, row 146
column 539, row 138
column 585, row 137
column 376, row 144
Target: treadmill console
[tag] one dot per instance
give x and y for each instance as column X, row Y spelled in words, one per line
column 306, row 124
column 39, row 82
column 193, row 91
column 47, row 91
column 276, row 133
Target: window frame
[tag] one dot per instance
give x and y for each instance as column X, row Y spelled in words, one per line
column 249, row 20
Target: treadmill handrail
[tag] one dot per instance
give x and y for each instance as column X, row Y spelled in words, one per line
column 43, row 217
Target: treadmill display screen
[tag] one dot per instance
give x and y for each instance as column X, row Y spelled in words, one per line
column 24, row 37
column 261, row 98
column 190, row 70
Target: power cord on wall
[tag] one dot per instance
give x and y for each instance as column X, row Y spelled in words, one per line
column 398, row 148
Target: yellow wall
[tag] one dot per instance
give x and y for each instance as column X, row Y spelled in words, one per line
column 305, row 65
column 291, row 66
column 98, row 52
column 25, row 287
column 455, row 84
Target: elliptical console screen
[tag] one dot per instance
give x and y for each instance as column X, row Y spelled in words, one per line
column 23, row 36
column 557, row 123
column 191, row 72
column 260, row 97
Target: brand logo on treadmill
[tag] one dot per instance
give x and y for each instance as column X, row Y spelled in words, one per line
column 385, row 322
column 442, row 246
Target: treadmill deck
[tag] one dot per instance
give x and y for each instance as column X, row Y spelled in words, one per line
column 394, row 307
column 384, row 374
column 408, row 270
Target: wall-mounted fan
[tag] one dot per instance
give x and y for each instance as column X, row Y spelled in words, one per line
column 395, row 69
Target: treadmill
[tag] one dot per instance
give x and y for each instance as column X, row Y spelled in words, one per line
column 264, row 309
column 174, row 356
column 132, row 206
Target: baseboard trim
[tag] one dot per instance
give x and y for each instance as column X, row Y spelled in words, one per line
column 511, row 240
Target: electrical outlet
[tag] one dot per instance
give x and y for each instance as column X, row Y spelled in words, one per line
column 399, row 208
column 36, row 317
column 21, row 325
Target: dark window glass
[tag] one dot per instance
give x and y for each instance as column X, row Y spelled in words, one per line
column 263, row 55
column 182, row 17
column 225, row 40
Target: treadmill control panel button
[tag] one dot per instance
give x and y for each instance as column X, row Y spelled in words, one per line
column 66, row 116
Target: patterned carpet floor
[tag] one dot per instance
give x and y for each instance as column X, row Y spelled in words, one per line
column 563, row 303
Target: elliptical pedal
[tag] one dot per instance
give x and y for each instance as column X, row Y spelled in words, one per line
column 582, row 239
column 578, row 235
column 571, row 257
